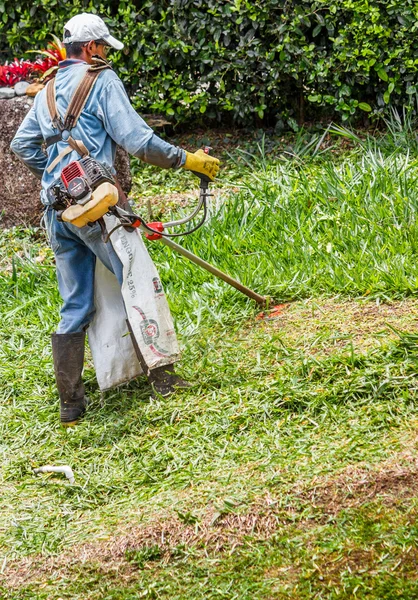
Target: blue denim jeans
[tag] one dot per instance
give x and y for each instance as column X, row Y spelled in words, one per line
column 76, row 250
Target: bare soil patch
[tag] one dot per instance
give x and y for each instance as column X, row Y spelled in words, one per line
column 322, row 326
column 390, row 483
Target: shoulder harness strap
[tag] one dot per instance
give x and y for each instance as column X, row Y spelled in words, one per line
column 50, row 99
column 74, row 110
column 79, row 99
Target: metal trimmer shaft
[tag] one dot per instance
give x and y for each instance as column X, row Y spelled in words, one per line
column 220, row 274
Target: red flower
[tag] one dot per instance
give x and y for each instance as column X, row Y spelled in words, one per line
column 18, row 70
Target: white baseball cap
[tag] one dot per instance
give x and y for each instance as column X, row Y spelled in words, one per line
column 87, row 27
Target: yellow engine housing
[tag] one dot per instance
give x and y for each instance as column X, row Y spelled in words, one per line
column 103, row 197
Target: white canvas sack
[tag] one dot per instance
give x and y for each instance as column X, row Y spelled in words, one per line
column 142, row 300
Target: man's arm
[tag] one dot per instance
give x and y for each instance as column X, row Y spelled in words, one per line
column 27, row 142
column 130, row 131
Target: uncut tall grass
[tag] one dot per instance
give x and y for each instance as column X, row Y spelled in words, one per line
column 322, row 225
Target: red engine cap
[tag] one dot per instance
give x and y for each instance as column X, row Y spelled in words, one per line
column 71, row 171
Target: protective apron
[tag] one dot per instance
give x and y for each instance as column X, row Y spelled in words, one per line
column 142, row 301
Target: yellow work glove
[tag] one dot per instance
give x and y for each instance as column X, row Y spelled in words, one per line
column 202, row 164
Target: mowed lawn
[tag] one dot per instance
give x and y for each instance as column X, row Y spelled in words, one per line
column 289, row 470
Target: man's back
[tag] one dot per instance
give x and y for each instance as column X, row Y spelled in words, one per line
column 107, row 119
column 90, row 127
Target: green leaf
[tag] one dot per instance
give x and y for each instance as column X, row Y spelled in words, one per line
column 382, row 74
column 49, row 71
column 317, row 30
column 364, row 106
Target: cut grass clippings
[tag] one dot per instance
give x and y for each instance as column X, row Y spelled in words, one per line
column 389, row 485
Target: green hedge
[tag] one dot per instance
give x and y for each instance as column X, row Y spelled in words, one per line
column 263, row 61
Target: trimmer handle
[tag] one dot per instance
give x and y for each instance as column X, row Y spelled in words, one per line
column 204, row 179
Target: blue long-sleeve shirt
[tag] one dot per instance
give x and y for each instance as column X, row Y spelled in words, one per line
column 106, row 120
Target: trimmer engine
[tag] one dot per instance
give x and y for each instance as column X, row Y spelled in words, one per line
column 77, row 182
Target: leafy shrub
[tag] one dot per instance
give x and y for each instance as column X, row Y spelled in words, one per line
column 259, row 61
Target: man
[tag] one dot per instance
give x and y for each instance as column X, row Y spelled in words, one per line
column 106, row 120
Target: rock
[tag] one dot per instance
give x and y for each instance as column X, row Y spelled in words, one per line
column 34, row 88
column 19, row 189
column 21, row 87
column 6, row 93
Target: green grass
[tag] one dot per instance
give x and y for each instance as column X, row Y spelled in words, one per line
column 288, row 470
column 322, row 223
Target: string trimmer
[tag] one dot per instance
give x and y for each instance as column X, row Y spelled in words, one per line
column 156, row 230
column 86, row 190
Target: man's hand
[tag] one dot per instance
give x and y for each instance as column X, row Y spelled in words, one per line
column 202, row 163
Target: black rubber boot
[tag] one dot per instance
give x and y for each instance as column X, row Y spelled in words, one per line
column 165, row 381
column 68, row 354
